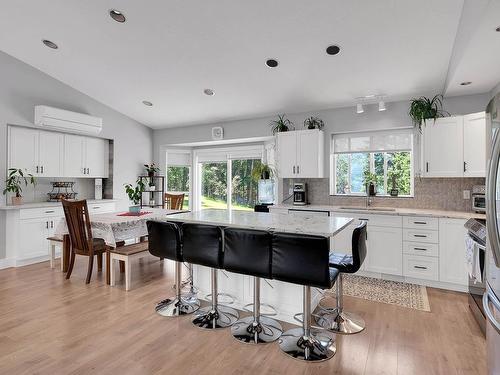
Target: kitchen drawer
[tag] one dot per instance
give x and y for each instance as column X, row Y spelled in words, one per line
column 41, row 212
column 421, row 248
column 99, row 208
column 393, row 221
column 421, row 222
column 420, row 267
column 416, row 235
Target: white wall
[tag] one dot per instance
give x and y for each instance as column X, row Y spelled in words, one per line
column 336, row 120
column 22, row 87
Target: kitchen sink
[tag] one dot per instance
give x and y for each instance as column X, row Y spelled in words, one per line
column 353, row 208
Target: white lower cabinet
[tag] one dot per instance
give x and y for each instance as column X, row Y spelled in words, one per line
column 452, row 262
column 384, row 250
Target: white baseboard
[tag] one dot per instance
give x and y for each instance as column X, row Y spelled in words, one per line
column 7, row 263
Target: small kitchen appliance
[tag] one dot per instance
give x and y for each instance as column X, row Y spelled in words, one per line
column 478, row 199
column 300, row 194
column 98, row 189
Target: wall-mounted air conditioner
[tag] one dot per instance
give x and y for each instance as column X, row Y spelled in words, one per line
column 66, row 121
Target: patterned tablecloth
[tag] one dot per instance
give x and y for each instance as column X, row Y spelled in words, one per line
column 113, row 228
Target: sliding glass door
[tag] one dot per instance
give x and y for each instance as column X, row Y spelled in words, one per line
column 224, row 178
column 213, row 192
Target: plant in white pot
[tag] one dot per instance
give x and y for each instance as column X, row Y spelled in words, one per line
column 16, row 178
column 135, row 195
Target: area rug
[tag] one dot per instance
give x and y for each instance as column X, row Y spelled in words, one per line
column 391, row 292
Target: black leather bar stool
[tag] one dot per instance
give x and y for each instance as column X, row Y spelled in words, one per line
column 336, row 319
column 304, row 260
column 165, row 242
column 249, row 252
column 202, row 244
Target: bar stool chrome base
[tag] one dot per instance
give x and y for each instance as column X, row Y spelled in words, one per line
column 215, row 318
column 318, row 346
column 172, row 307
column 264, row 331
column 344, row 323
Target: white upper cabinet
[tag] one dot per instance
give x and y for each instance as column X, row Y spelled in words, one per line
column 443, row 147
column 54, row 154
column 39, row 152
column 96, row 157
column 23, row 149
column 74, row 155
column 300, row 154
column 51, row 146
column 85, row 156
column 454, row 146
column 475, row 145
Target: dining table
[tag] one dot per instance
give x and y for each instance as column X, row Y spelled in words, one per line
column 115, row 228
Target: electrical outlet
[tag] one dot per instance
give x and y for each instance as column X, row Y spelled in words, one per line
column 466, row 194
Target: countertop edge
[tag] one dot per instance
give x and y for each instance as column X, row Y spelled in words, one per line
column 49, row 204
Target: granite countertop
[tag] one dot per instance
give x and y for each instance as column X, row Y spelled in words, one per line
column 50, row 204
column 387, row 211
column 314, row 225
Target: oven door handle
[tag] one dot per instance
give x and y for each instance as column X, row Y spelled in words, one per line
column 487, row 297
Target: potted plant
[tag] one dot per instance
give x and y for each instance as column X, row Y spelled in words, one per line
column 370, row 180
column 13, row 184
column 135, row 195
column 423, row 108
column 282, row 124
column 314, row 123
column 152, row 169
column 262, row 171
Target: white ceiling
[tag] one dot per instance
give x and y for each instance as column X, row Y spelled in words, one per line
column 168, row 52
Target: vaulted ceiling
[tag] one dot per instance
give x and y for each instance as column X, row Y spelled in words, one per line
column 169, row 52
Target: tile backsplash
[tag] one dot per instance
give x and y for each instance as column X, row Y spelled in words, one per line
column 431, row 193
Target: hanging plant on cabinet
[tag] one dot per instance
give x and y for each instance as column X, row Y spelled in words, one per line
column 282, row 124
column 314, row 123
column 423, row 108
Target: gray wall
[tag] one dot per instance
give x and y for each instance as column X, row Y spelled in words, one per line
column 336, row 120
column 22, row 87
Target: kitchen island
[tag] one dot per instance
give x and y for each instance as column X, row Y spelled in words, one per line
column 285, row 298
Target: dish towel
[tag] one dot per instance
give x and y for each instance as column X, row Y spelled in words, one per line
column 472, row 257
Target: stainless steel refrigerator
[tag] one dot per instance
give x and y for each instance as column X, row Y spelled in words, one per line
column 491, row 298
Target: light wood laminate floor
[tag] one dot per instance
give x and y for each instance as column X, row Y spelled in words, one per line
column 49, row 325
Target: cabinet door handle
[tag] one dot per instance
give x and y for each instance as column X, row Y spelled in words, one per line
column 47, row 224
column 51, row 224
column 427, row 167
column 49, row 212
column 465, row 166
column 37, row 169
column 420, row 222
column 362, row 218
column 419, row 249
column 420, row 235
column 294, row 169
column 96, row 207
column 298, row 169
column 420, row 267
column 41, row 169
column 88, row 170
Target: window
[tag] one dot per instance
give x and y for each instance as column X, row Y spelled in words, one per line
column 224, row 177
column 178, row 174
column 386, row 155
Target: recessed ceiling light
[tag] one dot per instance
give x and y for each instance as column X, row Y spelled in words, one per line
column 333, row 50
column 50, row 44
column 147, row 103
column 209, row 92
column 272, row 63
column 117, row 15
column 466, row 83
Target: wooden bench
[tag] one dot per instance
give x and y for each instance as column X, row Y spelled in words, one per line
column 53, row 243
column 126, row 254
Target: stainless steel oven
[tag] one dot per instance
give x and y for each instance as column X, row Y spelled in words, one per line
column 476, row 230
column 478, row 199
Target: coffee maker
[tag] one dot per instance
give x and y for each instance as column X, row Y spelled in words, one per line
column 300, row 194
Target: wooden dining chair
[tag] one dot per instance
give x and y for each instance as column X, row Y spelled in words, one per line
column 80, row 235
column 174, row 201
